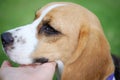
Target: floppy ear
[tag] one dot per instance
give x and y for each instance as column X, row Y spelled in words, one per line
column 91, row 60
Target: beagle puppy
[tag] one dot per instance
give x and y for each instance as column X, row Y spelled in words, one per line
column 66, row 33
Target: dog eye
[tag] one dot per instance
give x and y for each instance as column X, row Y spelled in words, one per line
column 48, row 30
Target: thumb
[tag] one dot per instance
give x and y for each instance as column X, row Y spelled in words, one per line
column 5, row 64
column 45, row 71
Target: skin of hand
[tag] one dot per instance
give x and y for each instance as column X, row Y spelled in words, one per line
column 32, row 72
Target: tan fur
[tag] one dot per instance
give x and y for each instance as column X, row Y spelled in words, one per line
column 82, row 45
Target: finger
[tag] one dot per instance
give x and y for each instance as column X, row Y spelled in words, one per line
column 49, row 65
column 5, row 64
column 46, row 69
column 30, row 65
column 49, row 68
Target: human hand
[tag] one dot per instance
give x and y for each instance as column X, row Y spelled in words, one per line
column 34, row 72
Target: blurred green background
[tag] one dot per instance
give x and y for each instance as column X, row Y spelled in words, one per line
column 15, row 13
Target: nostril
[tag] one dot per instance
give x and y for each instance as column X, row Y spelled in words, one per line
column 7, row 38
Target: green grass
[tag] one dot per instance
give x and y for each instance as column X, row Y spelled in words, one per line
column 15, row 13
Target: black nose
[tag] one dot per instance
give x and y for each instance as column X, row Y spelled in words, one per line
column 7, row 39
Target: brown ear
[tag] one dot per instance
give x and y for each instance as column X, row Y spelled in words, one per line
column 91, row 60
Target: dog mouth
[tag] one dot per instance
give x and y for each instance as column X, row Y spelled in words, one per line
column 41, row 60
column 36, row 62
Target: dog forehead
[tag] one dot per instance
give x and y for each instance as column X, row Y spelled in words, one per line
column 46, row 9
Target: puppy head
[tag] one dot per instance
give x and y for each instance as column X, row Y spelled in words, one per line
column 60, row 31
column 52, row 35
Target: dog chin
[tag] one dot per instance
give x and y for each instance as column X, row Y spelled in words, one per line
column 20, row 60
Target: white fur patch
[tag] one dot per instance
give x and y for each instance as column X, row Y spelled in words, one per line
column 25, row 40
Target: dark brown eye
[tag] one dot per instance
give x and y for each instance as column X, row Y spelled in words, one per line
column 48, row 30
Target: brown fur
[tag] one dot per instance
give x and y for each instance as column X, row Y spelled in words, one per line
column 82, row 45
